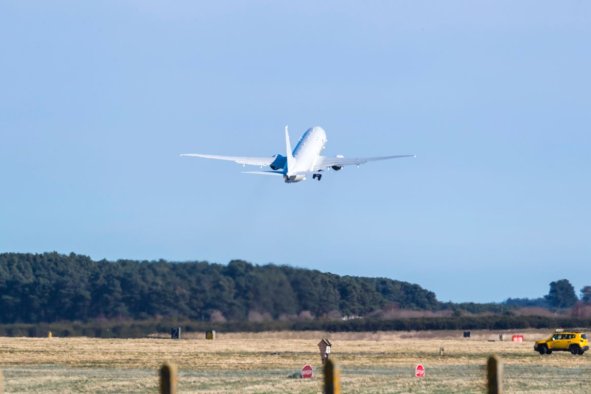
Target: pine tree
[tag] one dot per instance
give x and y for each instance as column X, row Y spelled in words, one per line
column 562, row 294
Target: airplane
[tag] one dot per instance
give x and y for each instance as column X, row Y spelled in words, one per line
column 305, row 159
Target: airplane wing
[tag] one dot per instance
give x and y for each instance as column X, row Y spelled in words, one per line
column 244, row 160
column 325, row 162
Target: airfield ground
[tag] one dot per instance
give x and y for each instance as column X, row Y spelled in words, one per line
column 380, row 362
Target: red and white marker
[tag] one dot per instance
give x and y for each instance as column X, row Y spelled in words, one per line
column 420, row 371
column 307, row 372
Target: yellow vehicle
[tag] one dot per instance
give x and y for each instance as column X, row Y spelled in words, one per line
column 572, row 341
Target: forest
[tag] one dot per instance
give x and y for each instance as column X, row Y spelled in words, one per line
column 53, row 287
column 75, row 295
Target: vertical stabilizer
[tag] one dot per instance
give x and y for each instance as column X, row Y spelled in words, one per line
column 289, row 153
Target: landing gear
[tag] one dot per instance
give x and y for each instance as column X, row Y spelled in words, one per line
column 317, row 176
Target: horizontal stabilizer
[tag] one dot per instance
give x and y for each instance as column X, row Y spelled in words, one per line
column 272, row 173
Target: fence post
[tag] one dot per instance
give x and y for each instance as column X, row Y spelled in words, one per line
column 168, row 378
column 494, row 373
column 332, row 380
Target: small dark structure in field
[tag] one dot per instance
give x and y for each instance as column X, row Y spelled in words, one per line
column 175, row 333
column 210, row 334
column 325, row 347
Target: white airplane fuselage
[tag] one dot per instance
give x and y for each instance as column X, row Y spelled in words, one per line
column 306, row 154
column 296, row 163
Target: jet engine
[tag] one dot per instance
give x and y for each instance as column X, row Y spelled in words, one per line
column 278, row 162
column 336, row 168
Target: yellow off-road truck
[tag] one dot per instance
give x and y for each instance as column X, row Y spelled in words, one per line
column 572, row 341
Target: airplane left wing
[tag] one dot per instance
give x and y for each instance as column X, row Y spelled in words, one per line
column 326, row 162
column 244, row 160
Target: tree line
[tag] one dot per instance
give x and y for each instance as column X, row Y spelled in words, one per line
column 561, row 295
column 52, row 287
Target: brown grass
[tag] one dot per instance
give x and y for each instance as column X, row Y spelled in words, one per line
column 261, row 362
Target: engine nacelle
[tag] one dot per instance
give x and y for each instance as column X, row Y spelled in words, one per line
column 337, row 168
column 278, row 163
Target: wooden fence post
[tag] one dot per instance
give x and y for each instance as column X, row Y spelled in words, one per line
column 332, row 380
column 168, row 378
column 494, row 373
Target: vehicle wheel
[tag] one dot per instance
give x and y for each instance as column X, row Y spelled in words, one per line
column 574, row 349
column 548, row 351
column 543, row 350
column 581, row 351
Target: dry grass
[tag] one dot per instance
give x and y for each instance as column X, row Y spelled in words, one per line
column 254, row 363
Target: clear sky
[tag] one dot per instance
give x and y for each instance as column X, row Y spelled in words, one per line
column 98, row 99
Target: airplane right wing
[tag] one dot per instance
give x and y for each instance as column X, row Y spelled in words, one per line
column 325, row 162
column 244, row 160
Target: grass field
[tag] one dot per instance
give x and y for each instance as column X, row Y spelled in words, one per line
column 262, row 363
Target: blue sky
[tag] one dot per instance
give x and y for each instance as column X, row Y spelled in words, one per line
column 97, row 99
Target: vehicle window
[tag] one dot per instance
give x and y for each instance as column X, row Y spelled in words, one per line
column 555, row 337
column 584, row 336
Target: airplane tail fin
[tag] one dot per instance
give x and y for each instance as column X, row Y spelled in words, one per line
column 289, row 153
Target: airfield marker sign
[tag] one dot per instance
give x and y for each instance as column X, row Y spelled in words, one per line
column 307, row 372
column 517, row 338
column 420, row 371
